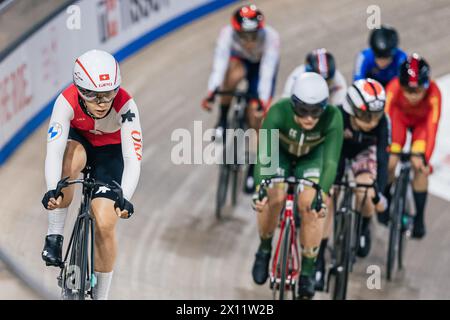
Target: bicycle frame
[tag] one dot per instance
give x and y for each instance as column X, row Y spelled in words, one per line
column 230, row 151
column 72, row 278
column 284, row 273
column 293, row 262
column 397, row 212
column 347, row 230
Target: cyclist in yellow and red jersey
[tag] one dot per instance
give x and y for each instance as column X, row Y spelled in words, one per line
column 414, row 102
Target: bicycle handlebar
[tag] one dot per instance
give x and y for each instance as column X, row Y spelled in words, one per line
column 91, row 183
column 294, row 181
column 406, row 156
column 354, row 185
column 239, row 95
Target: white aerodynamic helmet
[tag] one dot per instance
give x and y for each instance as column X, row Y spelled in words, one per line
column 310, row 92
column 96, row 71
column 365, row 99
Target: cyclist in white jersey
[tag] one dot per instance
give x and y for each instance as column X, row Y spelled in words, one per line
column 322, row 62
column 246, row 49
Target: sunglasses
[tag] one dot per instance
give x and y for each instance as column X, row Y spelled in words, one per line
column 303, row 110
column 98, row 97
column 366, row 116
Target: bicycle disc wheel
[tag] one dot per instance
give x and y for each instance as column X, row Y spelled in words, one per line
column 222, row 189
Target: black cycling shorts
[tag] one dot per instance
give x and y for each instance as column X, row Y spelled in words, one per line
column 106, row 164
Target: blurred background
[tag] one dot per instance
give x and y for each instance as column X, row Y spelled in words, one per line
column 173, row 247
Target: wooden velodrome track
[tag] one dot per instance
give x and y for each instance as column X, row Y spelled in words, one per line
column 173, row 248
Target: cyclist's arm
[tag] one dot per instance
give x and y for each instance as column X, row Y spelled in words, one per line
column 132, row 148
column 57, row 134
column 383, row 142
column 334, row 138
column 337, row 96
column 433, row 121
column 268, row 67
column 221, row 58
column 360, row 70
column 270, row 123
column 289, row 86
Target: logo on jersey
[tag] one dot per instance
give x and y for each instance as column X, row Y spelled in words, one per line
column 104, row 77
column 128, row 116
column 293, row 133
column 312, row 173
column 313, row 136
column 137, row 141
column 103, row 189
column 54, row 131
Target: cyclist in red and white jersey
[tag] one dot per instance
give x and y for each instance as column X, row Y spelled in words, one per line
column 94, row 122
column 246, row 49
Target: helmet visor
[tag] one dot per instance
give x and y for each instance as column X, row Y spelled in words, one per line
column 303, row 109
column 367, row 116
column 98, row 97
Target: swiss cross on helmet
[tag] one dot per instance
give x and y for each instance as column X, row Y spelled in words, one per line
column 322, row 62
column 365, row 99
column 414, row 72
column 247, row 18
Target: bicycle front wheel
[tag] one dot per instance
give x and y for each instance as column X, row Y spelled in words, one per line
column 394, row 230
column 75, row 272
column 222, row 189
column 343, row 253
column 284, row 261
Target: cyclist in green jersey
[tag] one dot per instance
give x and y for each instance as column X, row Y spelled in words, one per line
column 310, row 140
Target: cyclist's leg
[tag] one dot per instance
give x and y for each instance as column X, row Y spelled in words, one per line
column 235, row 73
column 365, row 170
column 74, row 161
column 312, row 227
column 268, row 220
column 327, row 231
column 105, row 245
column 108, row 167
column 420, row 181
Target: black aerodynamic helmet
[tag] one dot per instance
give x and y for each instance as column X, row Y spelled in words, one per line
column 384, row 41
column 322, row 62
column 414, row 72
